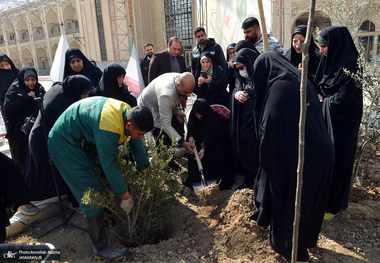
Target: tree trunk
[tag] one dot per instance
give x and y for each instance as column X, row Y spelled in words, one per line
column 263, row 26
column 301, row 132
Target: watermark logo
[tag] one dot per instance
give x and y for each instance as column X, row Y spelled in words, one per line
column 10, row 255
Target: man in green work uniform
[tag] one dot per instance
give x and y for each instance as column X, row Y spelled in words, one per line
column 106, row 123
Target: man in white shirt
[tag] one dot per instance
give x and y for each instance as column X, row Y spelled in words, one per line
column 164, row 95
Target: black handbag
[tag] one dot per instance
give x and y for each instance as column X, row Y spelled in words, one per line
column 29, row 122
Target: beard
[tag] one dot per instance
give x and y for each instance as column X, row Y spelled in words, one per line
column 253, row 39
column 150, row 55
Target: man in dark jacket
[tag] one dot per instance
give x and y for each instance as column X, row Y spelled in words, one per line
column 168, row 60
column 206, row 45
column 145, row 61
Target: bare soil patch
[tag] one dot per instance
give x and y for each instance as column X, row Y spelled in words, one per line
column 221, row 230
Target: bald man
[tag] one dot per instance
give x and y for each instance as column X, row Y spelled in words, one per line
column 164, row 95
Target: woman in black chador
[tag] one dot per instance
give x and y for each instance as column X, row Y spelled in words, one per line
column 19, row 104
column 58, row 98
column 294, row 54
column 342, row 108
column 213, row 85
column 76, row 63
column 277, row 113
column 8, row 73
column 112, row 85
column 209, row 128
column 243, row 136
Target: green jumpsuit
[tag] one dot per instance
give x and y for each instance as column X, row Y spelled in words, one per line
column 101, row 121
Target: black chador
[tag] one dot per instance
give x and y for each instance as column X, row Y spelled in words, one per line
column 342, row 107
column 58, row 98
column 277, row 112
column 212, row 131
column 17, row 106
column 243, row 135
column 109, row 87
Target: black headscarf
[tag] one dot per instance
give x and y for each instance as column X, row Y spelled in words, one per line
column 92, row 72
column 230, row 46
column 25, row 72
column 75, row 86
column 341, row 54
column 7, row 76
column 18, row 104
column 277, row 110
column 247, row 57
column 109, row 86
column 296, row 58
column 244, row 44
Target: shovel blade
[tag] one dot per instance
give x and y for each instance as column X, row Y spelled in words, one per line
column 200, row 185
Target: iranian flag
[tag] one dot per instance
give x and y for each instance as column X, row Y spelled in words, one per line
column 56, row 72
column 133, row 76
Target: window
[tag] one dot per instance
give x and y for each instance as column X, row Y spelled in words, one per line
column 99, row 19
column 367, row 38
column 76, row 24
column 69, row 26
column 367, row 26
column 178, row 20
column 24, row 35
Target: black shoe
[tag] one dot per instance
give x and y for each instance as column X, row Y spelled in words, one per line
column 98, row 236
column 244, row 186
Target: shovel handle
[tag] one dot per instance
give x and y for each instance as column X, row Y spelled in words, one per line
column 200, row 166
column 197, row 158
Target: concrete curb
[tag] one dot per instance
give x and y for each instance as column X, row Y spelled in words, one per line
column 19, row 222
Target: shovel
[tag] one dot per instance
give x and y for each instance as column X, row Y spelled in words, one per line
column 203, row 183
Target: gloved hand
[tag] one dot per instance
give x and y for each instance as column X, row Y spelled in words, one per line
column 126, row 205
